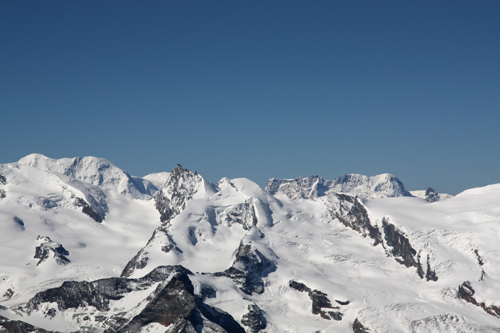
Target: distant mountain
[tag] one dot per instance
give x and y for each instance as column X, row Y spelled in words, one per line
column 430, row 195
column 381, row 186
column 95, row 171
column 85, row 247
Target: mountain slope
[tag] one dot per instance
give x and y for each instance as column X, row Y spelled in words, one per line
column 298, row 257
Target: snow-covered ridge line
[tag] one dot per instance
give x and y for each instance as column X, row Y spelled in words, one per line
column 380, row 186
column 351, row 254
column 95, row 171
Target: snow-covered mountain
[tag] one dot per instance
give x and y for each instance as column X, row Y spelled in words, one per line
column 430, row 195
column 381, row 186
column 88, row 248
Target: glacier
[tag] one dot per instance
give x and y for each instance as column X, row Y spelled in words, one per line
column 86, row 247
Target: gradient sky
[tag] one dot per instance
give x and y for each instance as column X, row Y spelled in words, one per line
column 257, row 89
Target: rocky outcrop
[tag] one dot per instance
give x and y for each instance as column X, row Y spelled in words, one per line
column 320, row 303
column 429, row 274
column 171, row 302
column 180, row 187
column 254, row 319
column 357, row 327
column 351, row 213
column 466, row 292
column 140, row 260
column 381, row 186
column 298, row 188
column 248, row 269
column 99, row 293
column 88, row 210
column 243, row 214
column 3, row 181
column 176, row 305
column 47, row 248
column 431, row 195
column 399, row 244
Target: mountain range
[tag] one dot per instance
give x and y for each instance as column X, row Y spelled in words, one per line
column 86, row 247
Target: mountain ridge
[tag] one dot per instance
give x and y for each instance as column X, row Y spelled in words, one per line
column 231, row 256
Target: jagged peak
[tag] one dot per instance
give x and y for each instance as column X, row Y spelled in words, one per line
column 379, row 186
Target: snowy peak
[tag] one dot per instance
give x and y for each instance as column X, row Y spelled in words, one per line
column 180, row 187
column 95, row 171
column 380, row 186
column 430, row 195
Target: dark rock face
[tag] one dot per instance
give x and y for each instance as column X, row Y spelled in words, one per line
column 320, row 302
column 48, row 247
column 179, row 189
column 480, row 259
column 357, row 327
column 351, row 213
column 87, row 209
column 244, row 214
column 140, row 260
column 248, row 269
column 72, row 294
column 175, row 304
column 430, row 275
column 466, row 292
column 16, row 326
column 254, row 319
column 313, row 187
column 299, row 188
column 3, row 181
column 401, row 247
column 172, row 303
column 431, row 195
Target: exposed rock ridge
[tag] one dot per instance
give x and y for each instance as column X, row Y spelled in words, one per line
column 47, row 247
column 430, row 195
column 88, row 210
column 173, row 302
column 254, row 319
column 180, row 187
column 170, row 201
column 248, row 269
column 3, row 181
column 320, row 303
column 381, row 186
column 466, row 292
column 140, row 260
column 351, row 213
column 176, row 305
column 99, row 293
column 400, row 245
column 357, row 327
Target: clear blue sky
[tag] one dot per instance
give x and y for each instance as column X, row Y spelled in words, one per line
column 257, row 89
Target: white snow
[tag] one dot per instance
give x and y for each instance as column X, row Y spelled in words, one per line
column 297, row 233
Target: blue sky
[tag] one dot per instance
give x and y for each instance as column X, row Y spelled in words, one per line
column 257, row 89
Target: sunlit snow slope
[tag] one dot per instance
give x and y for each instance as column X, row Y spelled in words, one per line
column 87, row 247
